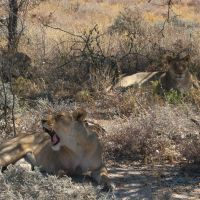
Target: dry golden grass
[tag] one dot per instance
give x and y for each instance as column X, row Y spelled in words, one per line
column 80, row 15
column 101, row 10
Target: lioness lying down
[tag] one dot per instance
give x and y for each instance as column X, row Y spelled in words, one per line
column 73, row 148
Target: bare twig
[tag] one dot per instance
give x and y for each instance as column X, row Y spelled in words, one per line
column 62, row 30
column 5, row 99
column 12, row 110
column 167, row 20
column 13, row 96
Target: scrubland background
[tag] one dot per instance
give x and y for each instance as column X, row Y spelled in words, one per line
column 79, row 48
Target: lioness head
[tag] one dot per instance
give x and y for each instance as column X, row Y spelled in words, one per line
column 60, row 125
column 178, row 67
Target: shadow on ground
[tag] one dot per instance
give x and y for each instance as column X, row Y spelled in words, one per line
column 158, row 182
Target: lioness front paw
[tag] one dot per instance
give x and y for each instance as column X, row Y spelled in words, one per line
column 61, row 173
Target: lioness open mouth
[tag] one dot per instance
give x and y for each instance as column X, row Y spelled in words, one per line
column 54, row 137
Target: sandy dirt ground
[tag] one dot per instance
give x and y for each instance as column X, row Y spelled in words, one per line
column 147, row 182
column 136, row 181
column 154, row 182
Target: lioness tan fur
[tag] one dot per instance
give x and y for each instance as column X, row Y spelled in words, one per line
column 68, row 145
column 178, row 76
column 137, row 80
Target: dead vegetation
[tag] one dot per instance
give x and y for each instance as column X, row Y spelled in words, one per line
column 71, row 63
column 158, row 135
column 81, row 66
column 18, row 183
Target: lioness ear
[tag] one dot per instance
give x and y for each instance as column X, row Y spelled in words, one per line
column 79, row 114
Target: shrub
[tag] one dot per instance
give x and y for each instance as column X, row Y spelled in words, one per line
column 173, row 97
column 84, row 96
column 25, row 87
column 194, row 97
column 190, row 148
column 153, row 136
column 128, row 21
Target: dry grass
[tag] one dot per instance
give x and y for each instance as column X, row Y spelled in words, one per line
column 190, row 149
column 18, row 183
column 157, row 135
column 64, row 67
column 153, row 134
column 129, row 37
column 115, row 37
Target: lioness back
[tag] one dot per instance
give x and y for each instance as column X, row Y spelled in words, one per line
column 16, row 148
